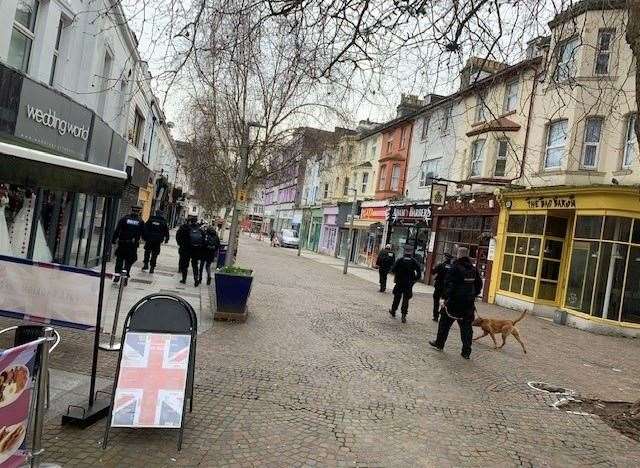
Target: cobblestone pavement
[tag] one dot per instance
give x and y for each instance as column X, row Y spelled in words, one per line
column 320, row 375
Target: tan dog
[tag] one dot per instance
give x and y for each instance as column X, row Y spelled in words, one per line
column 504, row 327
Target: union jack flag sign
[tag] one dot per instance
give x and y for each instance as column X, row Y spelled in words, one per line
column 152, row 380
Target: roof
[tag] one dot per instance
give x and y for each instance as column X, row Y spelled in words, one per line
column 583, row 6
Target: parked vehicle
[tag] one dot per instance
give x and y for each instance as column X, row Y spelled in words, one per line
column 288, row 238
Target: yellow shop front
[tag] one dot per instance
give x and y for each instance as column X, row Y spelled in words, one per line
column 571, row 248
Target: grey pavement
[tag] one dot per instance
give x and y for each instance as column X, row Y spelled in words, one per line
column 320, row 375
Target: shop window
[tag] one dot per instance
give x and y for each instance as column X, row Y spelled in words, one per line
column 631, row 298
column 616, row 228
column 635, row 237
column 17, row 206
column 516, row 223
column 584, row 259
column 55, row 215
column 23, row 34
column 556, row 227
column 534, row 224
column 608, row 292
column 589, row 227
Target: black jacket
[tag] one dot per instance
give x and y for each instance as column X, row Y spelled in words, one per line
column 211, row 245
column 441, row 270
column 386, row 259
column 183, row 237
column 406, row 272
column 129, row 230
column 156, row 229
column 463, row 284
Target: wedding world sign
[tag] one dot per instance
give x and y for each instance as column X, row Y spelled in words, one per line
column 48, row 293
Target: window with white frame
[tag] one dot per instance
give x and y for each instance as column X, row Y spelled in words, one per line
column 603, row 52
column 630, row 142
column 365, row 181
column 428, row 171
column 395, row 177
column 425, row 127
column 382, row 180
column 556, row 140
column 566, row 66
column 446, row 119
column 480, row 113
column 500, row 167
column 591, row 145
column 56, row 50
column 511, row 96
column 477, row 158
column 23, row 34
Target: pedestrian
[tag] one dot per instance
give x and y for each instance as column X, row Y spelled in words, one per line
column 209, row 251
column 273, row 238
column 384, row 263
column 127, row 235
column 406, row 271
column 463, row 284
column 190, row 241
column 155, row 231
column 441, row 270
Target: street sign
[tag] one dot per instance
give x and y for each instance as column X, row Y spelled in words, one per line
column 438, row 194
column 242, row 196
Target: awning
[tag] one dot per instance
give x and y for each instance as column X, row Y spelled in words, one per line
column 364, row 223
column 38, row 169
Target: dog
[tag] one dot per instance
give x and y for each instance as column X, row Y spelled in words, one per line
column 504, row 327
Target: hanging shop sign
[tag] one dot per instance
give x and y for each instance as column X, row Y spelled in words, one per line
column 438, row 194
column 551, row 202
column 409, row 215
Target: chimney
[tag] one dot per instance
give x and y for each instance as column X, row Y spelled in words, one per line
column 366, row 125
column 408, row 103
column 478, row 68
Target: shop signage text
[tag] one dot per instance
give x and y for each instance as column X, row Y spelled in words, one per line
column 414, row 212
column 51, row 120
column 552, row 202
column 376, row 213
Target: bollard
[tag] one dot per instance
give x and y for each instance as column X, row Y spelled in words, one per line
column 112, row 345
column 38, row 419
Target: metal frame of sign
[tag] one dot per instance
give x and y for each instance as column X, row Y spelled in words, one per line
column 171, row 328
column 440, row 187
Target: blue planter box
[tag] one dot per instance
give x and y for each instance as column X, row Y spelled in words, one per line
column 232, row 292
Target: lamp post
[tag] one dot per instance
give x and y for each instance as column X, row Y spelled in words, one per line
column 354, row 204
column 244, row 161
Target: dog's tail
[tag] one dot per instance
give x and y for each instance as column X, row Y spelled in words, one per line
column 520, row 318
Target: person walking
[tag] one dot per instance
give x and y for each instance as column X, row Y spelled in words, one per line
column 190, row 240
column 127, row 235
column 384, row 263
column 155, row 231
column 209, row 251
column 463, row 284
column 406, row 271
column 441, row 270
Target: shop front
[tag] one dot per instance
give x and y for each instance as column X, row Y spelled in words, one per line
column 343, row 221
column 58, row 164
column 370, row 227
column 312, row 222
column 329, row 234
column 575, row 249
column 465, row 221
column 410, row 224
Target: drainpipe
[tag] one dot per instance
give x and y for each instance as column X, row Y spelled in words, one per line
column 529, row 118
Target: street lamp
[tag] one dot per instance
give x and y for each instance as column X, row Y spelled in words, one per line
column 354, row 204
column 244, row 161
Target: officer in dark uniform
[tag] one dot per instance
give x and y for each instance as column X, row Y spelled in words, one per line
column 127, row 234
column 155, row 231
column 190, row 241
column 384, row 262
column 463, row 284
column 441, row 270
column 406, row 272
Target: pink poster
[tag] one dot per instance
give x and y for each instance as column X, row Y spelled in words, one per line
column 151, row 385
column 16, row 385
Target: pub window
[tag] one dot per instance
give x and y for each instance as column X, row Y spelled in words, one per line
column 23, row 34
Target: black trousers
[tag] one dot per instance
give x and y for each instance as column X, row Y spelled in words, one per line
column 151, row 252
column 126, row 256
column 404, row 296
column 437, row 295
column 183, row 265
column 205, row 263
column 383, row 279
column 466, row 332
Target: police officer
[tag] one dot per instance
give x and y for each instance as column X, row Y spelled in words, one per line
column 441, row 270
column 384, row 262
column 127, row 234
column 463, row 284
column 155, row 231
column 209, row 251
column 406, row 272
column 190, row 240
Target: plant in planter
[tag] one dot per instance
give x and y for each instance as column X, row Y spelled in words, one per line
column 233, row 287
